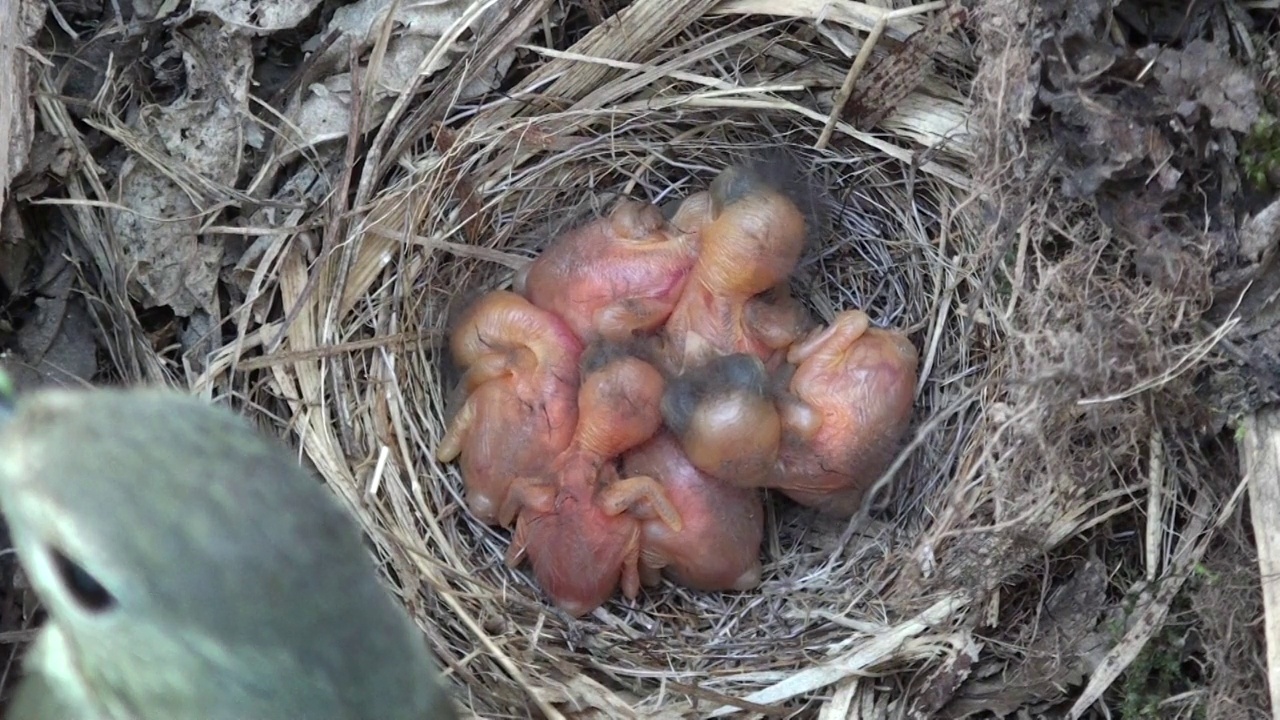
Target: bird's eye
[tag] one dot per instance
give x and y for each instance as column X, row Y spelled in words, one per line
column 81, row 585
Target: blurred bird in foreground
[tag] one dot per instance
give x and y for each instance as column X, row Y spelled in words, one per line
column 191, row 570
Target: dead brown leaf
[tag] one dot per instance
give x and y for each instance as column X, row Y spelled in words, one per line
column 192, row 146
column 16, row 249
column 1162, row 255
column 1201, row 77
column 941, row 685
column 55, row 343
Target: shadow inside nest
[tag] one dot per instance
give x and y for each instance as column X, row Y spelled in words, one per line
column 873, row 249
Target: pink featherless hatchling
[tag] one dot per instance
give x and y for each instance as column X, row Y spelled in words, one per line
column 846, row 407
column 734, row 301
column 619, row 276
column 574, row 523
column 820, row 428
column 518, row 395
column 718, row 546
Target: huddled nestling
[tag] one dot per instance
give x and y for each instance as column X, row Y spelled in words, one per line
column 622, row 410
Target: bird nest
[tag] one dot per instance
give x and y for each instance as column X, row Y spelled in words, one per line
column 492, row 190
column 1045, row 369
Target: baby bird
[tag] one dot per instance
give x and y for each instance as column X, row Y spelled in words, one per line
column 718, row 546
column 748, row 250
column 572, row 522
column 820, row 428
column 847, row 406
column 619, row 276
column 518, row 393
column 191, row 570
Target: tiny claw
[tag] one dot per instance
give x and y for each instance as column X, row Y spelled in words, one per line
column 644, row 492
column 520, row 281
column 516, row 551
column 525, row 492
column 510, row 509
column 630, row 581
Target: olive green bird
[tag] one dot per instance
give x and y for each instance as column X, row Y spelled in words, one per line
column 192, row 570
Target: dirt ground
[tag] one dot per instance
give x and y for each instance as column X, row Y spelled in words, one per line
column 1142, row 138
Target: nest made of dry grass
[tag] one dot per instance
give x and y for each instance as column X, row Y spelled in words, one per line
column 462, row 214
column 1047, row 403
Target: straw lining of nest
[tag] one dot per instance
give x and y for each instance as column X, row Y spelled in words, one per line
column 929, row 228
column 362, row 334
column 479, row 203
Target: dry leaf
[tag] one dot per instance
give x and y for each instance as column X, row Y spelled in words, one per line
column 55, row 343
column 1201, row 77
column 1069, row 642
column 258, row 15
column 194, row 141
column 324, row 112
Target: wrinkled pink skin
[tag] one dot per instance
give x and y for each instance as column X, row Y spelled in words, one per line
column 619, row 276
column 751, row 247
column 718, row 546
column 848, row 407
column 520, row 388
column 573, row 522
